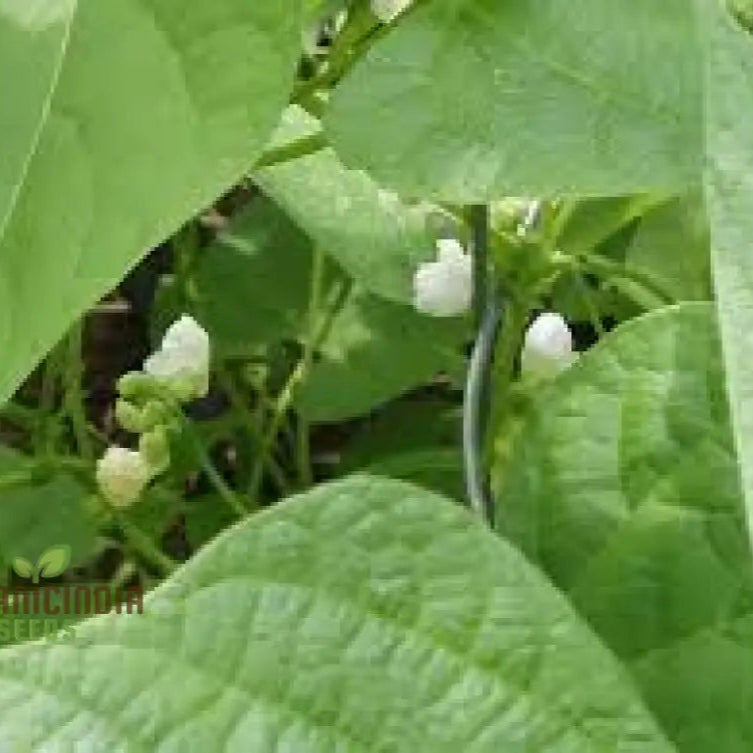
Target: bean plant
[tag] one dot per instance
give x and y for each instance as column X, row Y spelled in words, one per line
column 441, row 440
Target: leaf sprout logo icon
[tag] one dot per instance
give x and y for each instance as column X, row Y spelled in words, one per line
column 51, row 563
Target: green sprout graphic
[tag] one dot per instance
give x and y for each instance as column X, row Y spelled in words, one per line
column 51, row 563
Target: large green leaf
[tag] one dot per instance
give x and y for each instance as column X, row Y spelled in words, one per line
column 133, row 114
column 33, row 35
column 475, row 99
column 375, row 236
column 729, row 196
column 366, row 615
column 624, row 487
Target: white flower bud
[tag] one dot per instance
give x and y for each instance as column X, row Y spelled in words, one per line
column 445, row 287
column 548, row 346
column 387, row 10
column 182, row 362
column 122, row 475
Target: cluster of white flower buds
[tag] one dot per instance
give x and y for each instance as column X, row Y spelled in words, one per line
column 387, row 10
column 182, row 362
column 177, row 373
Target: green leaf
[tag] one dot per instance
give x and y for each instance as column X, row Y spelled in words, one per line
column 437, row 468
column 54, row 561
column 254, row 283
column 375, row 236
column 591, row 222
column 412, row 440
column 155, row 511
column 375, row 351
column 205, row 517
column 729, row 193
column 476, row 99
column 624, row 487
column 133, row 115
column 33, row 34
column 42, row 515
column 364, row 615
column 672, row 244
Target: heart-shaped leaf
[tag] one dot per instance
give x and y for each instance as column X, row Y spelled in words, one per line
column 476, row 99
column 624, row 486
column 127, row 117
column 364, row 615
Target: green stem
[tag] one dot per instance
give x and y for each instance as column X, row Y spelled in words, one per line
column 593, row 309
column 508, row 347
column 303, row 453
column 232, row 499
column 606, row 268
column 143, row 545
column 73, row 396
column 123, row 574
column 479, row 218
column 347, row 47
column 294, row 150
column 300, row 372
column 252, row 425
column 186, row 246
column 318, row 276
column 45, row 430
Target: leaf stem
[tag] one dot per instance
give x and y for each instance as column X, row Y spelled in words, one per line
column 302, row 147
column 123, row 574
column 345, row 50
column 232, row 499
column 303, row 448
column 300, row 372
column 73, row 397
column 603, row 267
column 588, row 299
column 44, row 430
column 142, row 544
column 252, row 425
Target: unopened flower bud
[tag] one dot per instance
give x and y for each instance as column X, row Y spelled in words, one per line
column 137, row 386
column 155, row 413
column 154, row 448
column 129, row 416
column 182, row 362
column 122, row 475
column 548, row 347
column 445, row 287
